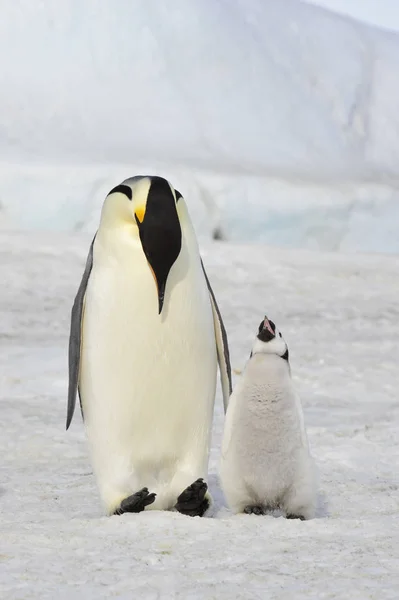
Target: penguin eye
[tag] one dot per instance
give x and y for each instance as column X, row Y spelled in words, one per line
column 280, row 334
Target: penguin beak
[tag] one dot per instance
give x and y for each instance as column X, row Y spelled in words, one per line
column 266, row 333
column 266, row 325
column 160, row 236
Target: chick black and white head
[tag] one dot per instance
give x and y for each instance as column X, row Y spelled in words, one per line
column 270, row 340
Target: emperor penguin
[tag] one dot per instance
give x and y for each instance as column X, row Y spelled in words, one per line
column 266, row 462
column 146, row 336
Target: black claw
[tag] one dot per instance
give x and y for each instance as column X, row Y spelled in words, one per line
column 192, row 501
column 291, row 516
column 136, row 503
column 254, row 510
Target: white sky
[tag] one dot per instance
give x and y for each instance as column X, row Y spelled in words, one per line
column 383, row 13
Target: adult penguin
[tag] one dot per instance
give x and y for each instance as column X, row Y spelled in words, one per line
column 146, row 336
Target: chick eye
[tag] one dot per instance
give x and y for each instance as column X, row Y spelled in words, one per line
column 280, row 334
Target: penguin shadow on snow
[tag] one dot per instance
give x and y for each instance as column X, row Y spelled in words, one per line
column 219, row 506
column 322, row 506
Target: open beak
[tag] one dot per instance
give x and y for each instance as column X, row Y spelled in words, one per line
column 266, row 332
column 266, row 325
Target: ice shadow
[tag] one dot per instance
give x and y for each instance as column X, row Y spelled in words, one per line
column 322, row 506
column 219, row 502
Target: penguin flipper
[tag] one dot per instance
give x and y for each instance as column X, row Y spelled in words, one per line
column 222, row 345
column 75, row 339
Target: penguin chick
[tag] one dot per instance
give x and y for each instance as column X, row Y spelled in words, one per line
column 266, row 462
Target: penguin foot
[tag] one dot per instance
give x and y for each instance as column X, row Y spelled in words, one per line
column 291, row 516
column 136, row 503
column 254, row 510
column 192, row 501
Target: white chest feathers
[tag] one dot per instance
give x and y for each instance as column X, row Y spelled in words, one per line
column 146, row 335
column 266, row 463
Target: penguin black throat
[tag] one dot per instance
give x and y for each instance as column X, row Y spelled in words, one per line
column 160, row 233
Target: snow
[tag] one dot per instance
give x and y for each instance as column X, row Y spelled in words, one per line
column 339, row 315
column 278, row 120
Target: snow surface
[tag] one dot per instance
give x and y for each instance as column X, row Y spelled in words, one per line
column 339, row 315
column 278, row 120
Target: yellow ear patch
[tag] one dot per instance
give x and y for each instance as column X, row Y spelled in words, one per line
column 140, row 212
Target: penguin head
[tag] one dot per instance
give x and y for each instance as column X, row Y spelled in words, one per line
column 149, row 205
column 270, row 340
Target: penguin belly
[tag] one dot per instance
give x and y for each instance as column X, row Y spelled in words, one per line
column 147, row 381
column 265, row 458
